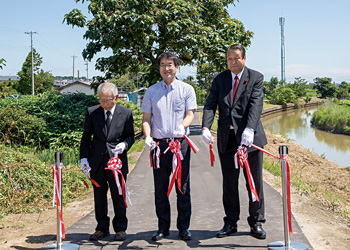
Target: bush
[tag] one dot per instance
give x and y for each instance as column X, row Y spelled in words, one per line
column 18, row 127
column 283, row 95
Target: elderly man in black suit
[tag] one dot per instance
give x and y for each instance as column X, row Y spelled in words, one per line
column 238, row 92
column 108, row 130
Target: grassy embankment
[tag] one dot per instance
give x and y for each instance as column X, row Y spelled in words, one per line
column 333, row 117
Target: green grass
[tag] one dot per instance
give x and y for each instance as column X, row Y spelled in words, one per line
column 333, row 117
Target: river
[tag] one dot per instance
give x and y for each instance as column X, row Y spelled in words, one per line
column 295, row 125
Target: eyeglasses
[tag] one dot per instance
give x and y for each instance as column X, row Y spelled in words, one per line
column 106, row 100
column 169, row 65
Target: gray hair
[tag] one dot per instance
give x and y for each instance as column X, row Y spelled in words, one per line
column 107, row 87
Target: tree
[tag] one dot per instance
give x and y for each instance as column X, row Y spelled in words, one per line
column 25, row 82
column 299, row 86
column 205, row 75
column 325, row 87
column 2, row 62
column 269, row 87
column 343, row 90
column 137, row 31
column 43, row 81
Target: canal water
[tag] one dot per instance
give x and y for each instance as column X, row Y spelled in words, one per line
column 296, row 125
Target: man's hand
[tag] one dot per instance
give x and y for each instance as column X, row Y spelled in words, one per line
column 119, row 148
column 84, row 164
column 179, row 131
column 206, row 136
column 149, row 142
column 247, row 137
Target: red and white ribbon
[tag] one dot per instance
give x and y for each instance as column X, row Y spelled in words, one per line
column 56, row 181
column 175, row 148
column 154, row 155
column 242, row 155
column 115, row 164
column 92, row 180
column 288, row 185
column 191, row 144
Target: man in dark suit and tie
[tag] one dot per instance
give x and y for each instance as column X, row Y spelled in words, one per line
column 108, row 130
column 238, row 92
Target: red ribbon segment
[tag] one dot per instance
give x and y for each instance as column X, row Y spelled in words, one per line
column 56, row 180
column 175, row 148
column 288, row 185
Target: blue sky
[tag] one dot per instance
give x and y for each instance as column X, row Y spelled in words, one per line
column 316, row 37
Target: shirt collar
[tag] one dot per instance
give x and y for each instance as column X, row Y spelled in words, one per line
column 238, row 75
column 112, row 110
column 172, row 85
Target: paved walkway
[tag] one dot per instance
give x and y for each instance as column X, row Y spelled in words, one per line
column 207, row 211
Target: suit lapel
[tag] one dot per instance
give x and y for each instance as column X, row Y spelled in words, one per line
column 228, row 87
column 242, row 85
column 101, row 120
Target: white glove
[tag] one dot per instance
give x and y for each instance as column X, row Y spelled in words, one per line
column 247, row 137
column 206, row 136
column 119, row 148
column 84, row 164
column 149, row 142
column 179, row 131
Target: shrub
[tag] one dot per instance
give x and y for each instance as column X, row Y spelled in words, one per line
column 18, row 127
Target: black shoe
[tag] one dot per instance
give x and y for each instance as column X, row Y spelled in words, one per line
column 258, row 232
column 185, row 234
column 120, row 236
column 226, row 231
column 160, row 234
column 98, row 235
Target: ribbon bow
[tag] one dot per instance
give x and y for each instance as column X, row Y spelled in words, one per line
column 242, row 155
column 115, row 164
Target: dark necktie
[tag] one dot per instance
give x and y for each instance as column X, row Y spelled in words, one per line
column 235, row 88
column 109, row 120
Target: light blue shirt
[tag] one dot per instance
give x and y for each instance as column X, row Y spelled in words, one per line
column 168, row 106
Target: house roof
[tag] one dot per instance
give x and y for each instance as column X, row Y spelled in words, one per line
column 75, row 83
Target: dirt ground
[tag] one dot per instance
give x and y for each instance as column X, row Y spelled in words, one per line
column 322, row 221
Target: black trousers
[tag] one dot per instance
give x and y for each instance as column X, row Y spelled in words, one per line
column 230, row 177
column 161, row 178
column 105, row 178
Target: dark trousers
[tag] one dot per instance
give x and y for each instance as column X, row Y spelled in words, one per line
column 105, row 178
column 161, row 185
column 230, row 177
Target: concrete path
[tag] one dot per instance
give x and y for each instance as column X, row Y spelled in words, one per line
column 207, row 211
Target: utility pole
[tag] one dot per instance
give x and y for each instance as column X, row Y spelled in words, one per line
column 31, row 45
column 87, row 70
column 283, row 77
column 73, row 66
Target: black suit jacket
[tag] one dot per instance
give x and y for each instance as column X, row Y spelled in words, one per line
column 95, row 142
column 244, row 111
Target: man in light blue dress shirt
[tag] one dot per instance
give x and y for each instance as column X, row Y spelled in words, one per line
column 168, row 110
